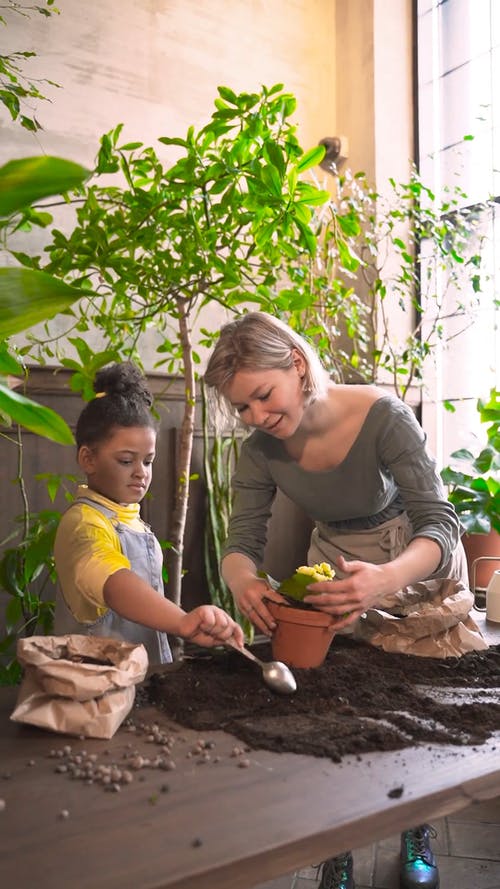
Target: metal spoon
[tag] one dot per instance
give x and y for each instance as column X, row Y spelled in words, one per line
column 276, row 674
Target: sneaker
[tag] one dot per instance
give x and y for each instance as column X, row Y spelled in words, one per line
column 337, row 873
column 418, row 869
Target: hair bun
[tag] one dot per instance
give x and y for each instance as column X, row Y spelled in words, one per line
column 125, row 380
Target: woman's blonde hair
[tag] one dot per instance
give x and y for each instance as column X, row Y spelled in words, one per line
column 258, row 341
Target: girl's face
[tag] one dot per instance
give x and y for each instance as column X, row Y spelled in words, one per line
column 270, row 400
column 120, row 468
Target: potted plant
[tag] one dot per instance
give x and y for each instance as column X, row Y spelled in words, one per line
column 474, row 489
column 303, row 633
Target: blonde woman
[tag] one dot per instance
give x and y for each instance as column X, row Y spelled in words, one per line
column 354, row 459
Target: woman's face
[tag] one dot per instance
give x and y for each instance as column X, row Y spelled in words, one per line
column 120, row 468
column 270, row 400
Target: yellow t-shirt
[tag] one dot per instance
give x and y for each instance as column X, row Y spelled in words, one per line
column 87, row 551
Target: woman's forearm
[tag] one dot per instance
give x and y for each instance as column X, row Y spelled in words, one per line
column 417, row 562
column 237, row 570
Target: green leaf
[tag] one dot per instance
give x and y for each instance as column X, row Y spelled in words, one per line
column 296, row 586
column 35, row 417
column 228, row 95
column 9, row 364
column 271, row 179
column 311, row 158
column 13, row 614
column 28, row 296
column 24, row 181
column 130, row 146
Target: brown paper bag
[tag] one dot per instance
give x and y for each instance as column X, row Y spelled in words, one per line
column 78, row 685
column 439, row 628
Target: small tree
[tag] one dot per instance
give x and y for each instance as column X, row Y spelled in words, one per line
column 163, row 243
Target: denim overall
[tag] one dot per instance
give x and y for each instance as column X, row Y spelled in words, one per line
column 144, row 554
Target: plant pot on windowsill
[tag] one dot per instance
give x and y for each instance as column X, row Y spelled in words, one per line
column 474, row 489
column 478, row 546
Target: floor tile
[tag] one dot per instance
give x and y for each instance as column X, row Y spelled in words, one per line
column 364, row 864
column 386, row 868
column 301, row 883
column 310, row 873
column 284, row 882
column 474, row 840
column 468, row 873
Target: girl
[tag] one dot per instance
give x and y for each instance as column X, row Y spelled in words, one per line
column 108, row 561
column 354, row 459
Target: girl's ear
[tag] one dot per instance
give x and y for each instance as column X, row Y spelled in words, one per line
column 86, row 459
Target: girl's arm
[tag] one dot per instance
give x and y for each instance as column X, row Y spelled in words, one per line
column 133, row 598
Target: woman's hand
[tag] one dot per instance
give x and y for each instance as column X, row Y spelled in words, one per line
column 251, row 603
column 209, row 625
column 364, row 585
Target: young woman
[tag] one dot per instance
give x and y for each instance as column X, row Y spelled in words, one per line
column 108, row 561
column 354, row 459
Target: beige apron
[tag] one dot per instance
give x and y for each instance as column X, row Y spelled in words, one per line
column 429, row 618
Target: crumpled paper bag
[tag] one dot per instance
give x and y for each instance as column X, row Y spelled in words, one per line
column 78, row 685
column 439, row 628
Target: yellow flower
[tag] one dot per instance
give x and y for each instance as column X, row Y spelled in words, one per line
column 318, row 573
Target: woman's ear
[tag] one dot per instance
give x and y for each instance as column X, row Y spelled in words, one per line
column 299, row 362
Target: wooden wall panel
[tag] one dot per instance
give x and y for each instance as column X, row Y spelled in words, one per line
column 289, row 529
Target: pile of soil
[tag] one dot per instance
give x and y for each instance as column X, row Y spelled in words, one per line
column 361, row 700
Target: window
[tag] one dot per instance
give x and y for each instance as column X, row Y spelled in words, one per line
column 459, row 98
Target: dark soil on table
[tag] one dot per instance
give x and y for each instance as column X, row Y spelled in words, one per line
column 361, row 700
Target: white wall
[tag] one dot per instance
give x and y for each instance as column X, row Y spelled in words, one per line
column 155, row 65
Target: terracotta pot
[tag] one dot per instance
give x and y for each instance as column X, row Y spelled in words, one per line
column 477, row 545
column 302, row 637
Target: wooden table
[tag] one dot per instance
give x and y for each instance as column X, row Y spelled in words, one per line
column 218, row 825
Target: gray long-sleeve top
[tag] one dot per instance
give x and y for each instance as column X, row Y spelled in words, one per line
column 386, row 471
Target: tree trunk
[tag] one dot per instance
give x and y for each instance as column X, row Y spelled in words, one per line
column 183, row 462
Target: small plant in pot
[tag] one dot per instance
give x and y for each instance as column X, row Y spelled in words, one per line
column 474, row 489
column 303, row 634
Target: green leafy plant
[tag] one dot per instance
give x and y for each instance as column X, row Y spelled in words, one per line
column 28, row 296
column 388, row 272
column 474, row 489
column 294, row 588
column 220, row 456
column 25, row 571
column 16, row 89
column 160, row 243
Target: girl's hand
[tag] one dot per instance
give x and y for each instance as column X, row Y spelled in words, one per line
column 209, row 625
column 251, row 603
column 348, row 598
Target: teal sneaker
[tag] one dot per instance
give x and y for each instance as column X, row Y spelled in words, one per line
column 418, row 869
column 337, row 873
